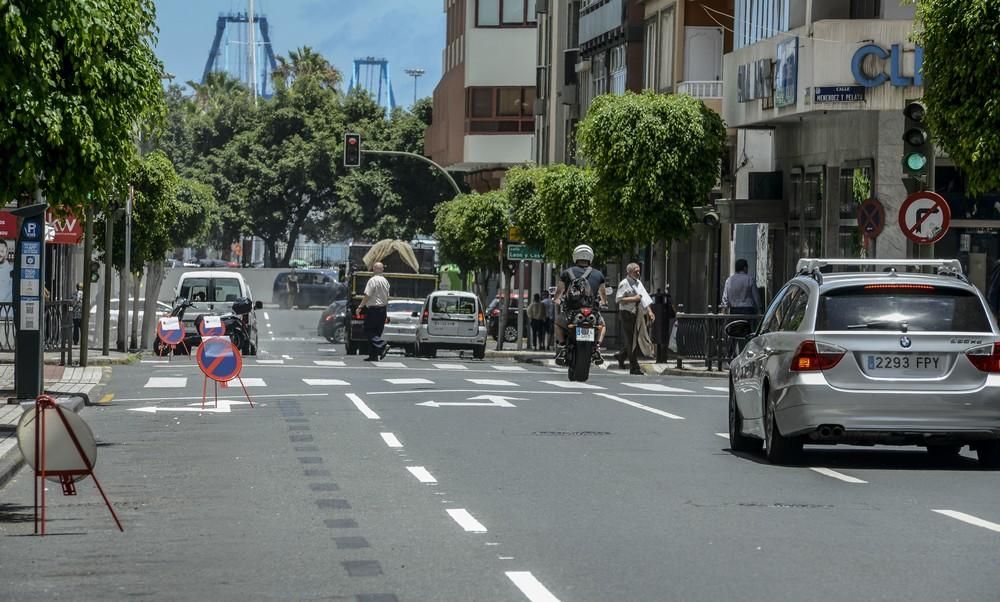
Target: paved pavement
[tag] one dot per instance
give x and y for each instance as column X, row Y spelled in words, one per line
column 457, row 479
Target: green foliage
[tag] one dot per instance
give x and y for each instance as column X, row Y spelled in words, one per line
column 655, row 156
column 469, row 228
column 196, row 214
column 521, row 185
column 77, row 78
column 961, row 71
column 571, row 214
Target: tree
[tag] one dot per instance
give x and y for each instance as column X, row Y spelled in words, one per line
column 655, row 157
column 304, row 62
column 960, row 74
column 469, row 229
column 76, row 78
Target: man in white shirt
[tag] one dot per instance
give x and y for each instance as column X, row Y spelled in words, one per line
column 631, row 298
column 374, row 303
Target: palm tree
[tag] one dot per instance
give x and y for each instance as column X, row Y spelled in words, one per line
column 304, row 62
column 217, row 85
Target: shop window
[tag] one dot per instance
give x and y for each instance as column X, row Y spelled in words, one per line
column 505, row 13
column 508, row 110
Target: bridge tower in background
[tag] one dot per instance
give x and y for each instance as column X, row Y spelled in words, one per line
column 242, row 48
column 372, row 74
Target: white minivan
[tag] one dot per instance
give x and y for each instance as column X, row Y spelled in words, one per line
column 213, row 292
column 451, row 320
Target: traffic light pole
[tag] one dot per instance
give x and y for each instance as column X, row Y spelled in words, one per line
column 447, row 175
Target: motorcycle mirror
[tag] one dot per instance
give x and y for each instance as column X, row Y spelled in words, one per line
column 258, row 305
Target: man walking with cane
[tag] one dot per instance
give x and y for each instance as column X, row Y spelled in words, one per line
column 633, row 301
column 374, row 303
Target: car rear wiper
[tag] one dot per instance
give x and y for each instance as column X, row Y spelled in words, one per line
column 881, row 325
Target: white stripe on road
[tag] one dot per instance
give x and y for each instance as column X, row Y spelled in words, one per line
column 723, row 435
column 451, row 366
column 465, row 520
column 336, row 363
column 369, row 414
column 642, row 407
column 565, row 384
column 322, row 382
column 287, row 357
column 656, row 387
column 154, row 361
column 253, row 382
column 510, row 368
column 388, row 364
column 408, row 381
column 165, row 382
column 722, row 389
column 545, row 392
column 267, row 316
column 391, row 440
column 491, row 382
column 270, row 361
column 836, row 475
column 532, row 588
column 968, row 518
column 199, row 397
column 421, row 473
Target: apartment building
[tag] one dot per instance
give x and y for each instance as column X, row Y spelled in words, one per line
column 484, row 104
column 817, row 89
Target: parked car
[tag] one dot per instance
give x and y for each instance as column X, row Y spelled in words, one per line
column 215, row 263
column 510, row 327
column 451, row 320
column 401, row 319
column 316, row 287
column 402, row 287
column 213, row 293
column 869, row 358
column 162, row 309
column 333, row 322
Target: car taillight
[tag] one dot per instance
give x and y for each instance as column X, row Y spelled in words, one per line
column 328, row 318
column 424, row 317
column 812, row 356
column 585, row 311
column 985, row 357
column 495, row 313
column 482, row 318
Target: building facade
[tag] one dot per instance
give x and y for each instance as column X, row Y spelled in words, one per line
column 484, row 104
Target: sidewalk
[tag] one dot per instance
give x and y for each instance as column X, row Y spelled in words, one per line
column 94, row 358
column 546, row 358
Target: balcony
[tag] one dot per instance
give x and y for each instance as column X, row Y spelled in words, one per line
column 598, row 21
column 702, row 90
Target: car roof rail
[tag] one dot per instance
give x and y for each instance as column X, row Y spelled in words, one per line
column 948, row 267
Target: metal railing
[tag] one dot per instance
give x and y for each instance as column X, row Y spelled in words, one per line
column 58, row 328
column 701, row 89
column 703, row 337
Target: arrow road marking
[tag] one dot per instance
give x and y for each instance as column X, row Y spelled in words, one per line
column 225, row 406
column 498, row 401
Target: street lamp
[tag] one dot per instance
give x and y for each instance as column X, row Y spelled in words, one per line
column 414, row 73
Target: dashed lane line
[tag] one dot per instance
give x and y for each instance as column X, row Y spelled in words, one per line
column 391, row 440
column 837, row 475
column 267, row 316
column 531, row 587
column 426, row 392
column 466, row 520
column 642, row 407
column 408, row 381
column 722, row 389
column 969, row 519
column 422, row 474
column 362, row 406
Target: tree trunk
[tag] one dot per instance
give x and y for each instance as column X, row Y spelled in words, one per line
column 154, row 281
column 271, row 253
column 88, row 251
column 121, row 337
column 133, row 329
column 293, row 235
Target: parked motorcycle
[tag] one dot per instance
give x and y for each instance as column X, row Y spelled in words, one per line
column 180, row 306
column 581, row 336
column 237, row 327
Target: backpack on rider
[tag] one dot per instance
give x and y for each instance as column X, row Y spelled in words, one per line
column 578, row 293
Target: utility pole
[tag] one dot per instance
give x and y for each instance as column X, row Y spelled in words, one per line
column 415, row 73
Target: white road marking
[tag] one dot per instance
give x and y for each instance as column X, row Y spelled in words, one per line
column 389, row 364
column 837, row 475
column 723, row 435
column 165, row 382
column 656, row 387
column 690, row 395
column 323, row 382
column 326, row 350
column 369, row 414
column 642, row 407
column 408, row 381
column 557, row 369
column 532, row 588
column 337, row 363
column 287, row 357
column 270, row 361
column 465, row 520
column 451, row 366
column 155, row 361
column 421, row 473
column 492, row 382
column 565, row 384
column 391, row 440
column 267, row 316
column 268, row 325
column 510, row 368
column 220, row 399
column 250, row 382
column 425, row 392
column 968, row 518
column 722, row 389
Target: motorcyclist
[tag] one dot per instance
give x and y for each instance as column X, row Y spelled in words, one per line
column 583, row 255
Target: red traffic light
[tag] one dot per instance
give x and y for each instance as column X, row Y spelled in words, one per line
column 352, row 140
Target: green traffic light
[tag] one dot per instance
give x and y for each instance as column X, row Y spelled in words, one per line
column 916, row 161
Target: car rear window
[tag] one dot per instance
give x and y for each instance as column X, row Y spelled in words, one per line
column 925, row 308
column 407, row 306
column 454, row 305
column 210, row 290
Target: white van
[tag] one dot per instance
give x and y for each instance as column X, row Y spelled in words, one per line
column 213, row 292
column 451, row 320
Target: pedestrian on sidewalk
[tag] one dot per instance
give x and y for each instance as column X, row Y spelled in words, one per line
column 537, row 314
column 739, row 293
column 550, row 318
column 633, row 303
column 77, row 312
column 292, row 288
column 374, row 304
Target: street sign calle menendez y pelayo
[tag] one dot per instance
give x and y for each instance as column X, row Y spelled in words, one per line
column 524, row 253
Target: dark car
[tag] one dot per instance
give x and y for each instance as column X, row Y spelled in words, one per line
column 510, row 328
column 316, row 287
column 333, row 322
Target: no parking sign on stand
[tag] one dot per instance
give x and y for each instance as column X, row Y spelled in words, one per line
column 211, row 326
column 171, row 333
column 221, row 362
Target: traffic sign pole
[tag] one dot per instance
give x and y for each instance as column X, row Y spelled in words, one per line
column 29, row 302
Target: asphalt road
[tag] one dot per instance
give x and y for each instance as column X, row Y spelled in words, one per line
column 345, row 483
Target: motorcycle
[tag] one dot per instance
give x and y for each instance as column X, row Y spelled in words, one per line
column 581, row 336
column 236, row 323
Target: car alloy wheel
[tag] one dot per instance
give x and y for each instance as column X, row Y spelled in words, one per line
column 510, row 334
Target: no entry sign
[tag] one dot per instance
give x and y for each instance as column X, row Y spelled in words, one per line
column 924, row 217
column 169, row 331
column 219, row 359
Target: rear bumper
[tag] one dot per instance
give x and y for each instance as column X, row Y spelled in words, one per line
column 889, row 417
column 453, row 342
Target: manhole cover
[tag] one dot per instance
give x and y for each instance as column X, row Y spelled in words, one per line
column 571, row 433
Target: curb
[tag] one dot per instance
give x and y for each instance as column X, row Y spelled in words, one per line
column 91, row 361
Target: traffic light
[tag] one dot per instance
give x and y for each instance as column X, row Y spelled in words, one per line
column 918, row 151
column 352, row 150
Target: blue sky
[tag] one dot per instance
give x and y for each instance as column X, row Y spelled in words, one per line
column 409, row 33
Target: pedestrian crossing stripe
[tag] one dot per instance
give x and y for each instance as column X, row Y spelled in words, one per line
column 492, row 382
column 335, row 363
column 563, row 384
column 270, row 361
column 253, row 382
column 166, row 382
column 322, row 382
column 722, row 389
column 657, row 388
column 408, row 381
column 389, row 364
column 510, row 368
column 451, row 366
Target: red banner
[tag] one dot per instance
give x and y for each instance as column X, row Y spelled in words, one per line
column 8, row 226
column 68, row 230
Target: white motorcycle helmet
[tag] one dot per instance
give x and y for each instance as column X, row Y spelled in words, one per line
column 583, row 252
